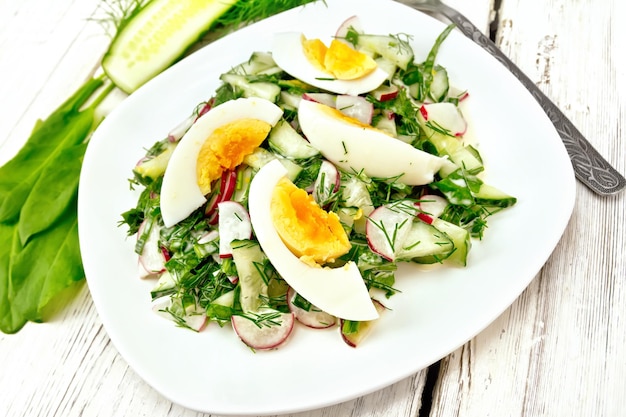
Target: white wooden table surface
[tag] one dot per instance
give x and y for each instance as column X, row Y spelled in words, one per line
column 559, row 350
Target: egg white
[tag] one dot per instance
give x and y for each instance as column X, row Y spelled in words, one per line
column 357, row 148
column 340, row 292
column 288, row 54
column 180, row 192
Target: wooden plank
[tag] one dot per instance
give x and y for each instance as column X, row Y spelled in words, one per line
column 558, row 350
column 47, row 50
column 68, row 365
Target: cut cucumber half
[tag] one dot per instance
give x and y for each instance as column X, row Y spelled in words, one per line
column 425, row 244
column 491, row 196
column 156, row 37
column 460, row 239
column 249, row 260
column 284, row 140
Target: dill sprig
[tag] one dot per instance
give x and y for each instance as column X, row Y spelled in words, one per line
column 245, row 12
column 115, row 14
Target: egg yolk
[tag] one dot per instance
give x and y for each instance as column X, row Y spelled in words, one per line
column 339, row 59
column 226, row 148
column 311, row 233
column 338, row 115
column 315, row 51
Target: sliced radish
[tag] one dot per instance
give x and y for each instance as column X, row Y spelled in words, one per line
column 387, row 123
column 426, row 218
column 153, row 257
column 196, row 320
column 445, row 115
column 234, row 223
column 356, row 107
column 432, row 204
column 195, row 317
column 205, row 108
column 387, row 227
column 313, row 318
column 358, row 331
column 327, row 183
column 385, row 92
column 207, row 244
column 351, row 23
column 323, row 98
column 228, row 183
column 263, row 337
column 179, row 131
column 458, row 93
column 209, row 236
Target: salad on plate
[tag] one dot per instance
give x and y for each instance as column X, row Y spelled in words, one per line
column 293, row 193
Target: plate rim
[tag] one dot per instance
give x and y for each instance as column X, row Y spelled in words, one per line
column 569, row 194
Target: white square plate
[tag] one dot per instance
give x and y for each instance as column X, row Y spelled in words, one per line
column 438, row 309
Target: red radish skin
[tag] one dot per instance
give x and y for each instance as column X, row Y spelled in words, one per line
column 228, row 183
column 263, row 338
column 460, row 95
column 197, row 322
column 315, row 319
column 205, row 108
column 446, row 115
column 425, row 218
column 385, row 92
column 432, row 205
column 179, row 131
column 322, row 98
column 352, row 22
column 365, row 327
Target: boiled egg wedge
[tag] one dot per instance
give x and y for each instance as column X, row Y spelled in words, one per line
column 340, row 291
column 337, row 68
column 357, row 147
column 218, row 141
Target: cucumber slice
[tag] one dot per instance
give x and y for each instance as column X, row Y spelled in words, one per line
column 389, row 47
column 284, row 140
column 468, row 158
column 259, row 62
column 440, row 85
column 249, row 260
column 155, row 167
column 444, row 143
column 425, row 244
column 265, row 90
column 460, row 238
column 491, row 196
column 157, row 36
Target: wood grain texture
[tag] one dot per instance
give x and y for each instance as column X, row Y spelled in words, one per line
column 559, row 349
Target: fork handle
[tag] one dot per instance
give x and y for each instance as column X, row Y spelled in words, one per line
column 589, row 166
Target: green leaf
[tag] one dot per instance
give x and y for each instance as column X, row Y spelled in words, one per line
column 32, row 275
column 67, row 126
column 429, row 64
column 10, row 320
column 56, row 187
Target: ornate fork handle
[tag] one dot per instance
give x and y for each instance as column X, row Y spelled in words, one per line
column 589, row 166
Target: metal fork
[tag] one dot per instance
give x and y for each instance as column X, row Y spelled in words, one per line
column 589, row 166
